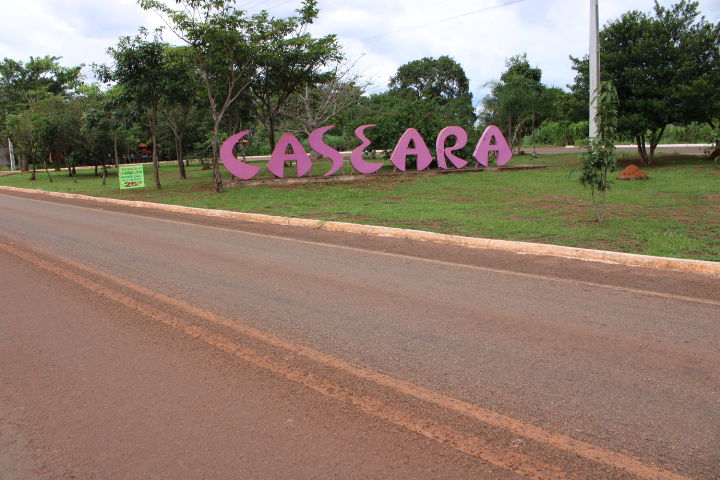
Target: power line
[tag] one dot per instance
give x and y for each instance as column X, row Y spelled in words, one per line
column 253, row 4
column 278, row 4
column 383, row 35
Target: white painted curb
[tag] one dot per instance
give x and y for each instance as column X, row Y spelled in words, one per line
column 628, row 259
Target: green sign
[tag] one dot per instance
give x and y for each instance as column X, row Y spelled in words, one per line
column 132, row 176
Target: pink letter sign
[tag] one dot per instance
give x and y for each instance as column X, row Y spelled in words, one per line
column 235, row 166
column 411, row 143
column 485, row 146
column 403, row 149
column 317, row 144
column 279, row 156
column 356, row 157
column 445, row 153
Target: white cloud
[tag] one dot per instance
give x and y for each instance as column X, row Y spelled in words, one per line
column 547, row 30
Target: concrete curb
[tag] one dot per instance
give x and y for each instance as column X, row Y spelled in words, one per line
column 525, row 248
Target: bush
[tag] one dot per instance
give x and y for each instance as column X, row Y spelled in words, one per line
column 560, row 133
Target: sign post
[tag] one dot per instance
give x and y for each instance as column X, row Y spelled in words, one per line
column 131, row 176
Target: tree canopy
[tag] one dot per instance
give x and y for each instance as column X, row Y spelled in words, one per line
column 665, row 66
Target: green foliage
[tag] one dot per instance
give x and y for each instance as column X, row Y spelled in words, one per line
column 599, row 161
column 519, row 102
column 288, row 58
column 143, row 69
column 666, row 68
column 672, row 216
column 20, row 83
column 439, row 78
column 562, row 133
column 575, row 104
column 427, row 100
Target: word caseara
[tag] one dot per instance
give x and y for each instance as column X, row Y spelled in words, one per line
column 289, row 148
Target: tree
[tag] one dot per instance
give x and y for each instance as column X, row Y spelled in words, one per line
column 223, row 40
column 518, row 101
column 105, row 125
column 576, row 104
column 23, row 83
column 183, row 87
column 314, row 106
column 288, row 58
column 433, row 78
column 140, row 69
column 45, row 125
column 600, row 161
column 664, row 66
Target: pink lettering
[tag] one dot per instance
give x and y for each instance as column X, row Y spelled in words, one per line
column 485, row 146
column 280, row 155
column 403, row 149
column 445, row 153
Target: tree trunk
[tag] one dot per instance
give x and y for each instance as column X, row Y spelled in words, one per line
column 32, row 177
column 179, row 156
column 104, row 171
column 215, row 154
column 117, row 158
column 24, row 163
column 46, row 170
column 655, row 137
column 640, row 139
column 534, row 152
column 155, row 161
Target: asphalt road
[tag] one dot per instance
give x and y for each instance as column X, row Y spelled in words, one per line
column 148, row 345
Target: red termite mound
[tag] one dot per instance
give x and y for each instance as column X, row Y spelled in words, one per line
column 632, row 173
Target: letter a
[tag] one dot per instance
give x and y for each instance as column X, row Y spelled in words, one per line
column 485, row 146
column 279, row 156
column 403, row 149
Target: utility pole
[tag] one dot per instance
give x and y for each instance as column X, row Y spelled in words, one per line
column 594, row 64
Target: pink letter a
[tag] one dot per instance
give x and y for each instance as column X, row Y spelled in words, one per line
column 485, row 146
column 279, row 156
column 403, row 149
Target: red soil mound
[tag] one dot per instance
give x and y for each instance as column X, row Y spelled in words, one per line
column 632, row 173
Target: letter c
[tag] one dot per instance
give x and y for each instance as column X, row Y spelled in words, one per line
column 236, row 167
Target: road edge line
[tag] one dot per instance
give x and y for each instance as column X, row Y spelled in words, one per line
column 522, row 248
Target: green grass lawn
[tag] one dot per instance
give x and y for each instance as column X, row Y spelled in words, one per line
column 676, row 213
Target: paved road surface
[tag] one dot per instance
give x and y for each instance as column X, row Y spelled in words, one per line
column 689, row 149
column 168, row 346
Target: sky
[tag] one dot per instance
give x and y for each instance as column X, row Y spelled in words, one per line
column 380, row 34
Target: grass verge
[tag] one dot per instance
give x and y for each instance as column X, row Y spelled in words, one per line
column 676, row 213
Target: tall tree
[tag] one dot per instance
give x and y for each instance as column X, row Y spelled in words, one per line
column 314, row 106
column 140, row 69
column 664, row 66
column 518, row 101
column 288, row 58
column 223, row 40
column 183, row 96
column 576, row 104
column 433, row 78
column 22, row 83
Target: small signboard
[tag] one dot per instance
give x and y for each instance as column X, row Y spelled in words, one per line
column 132, row 176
